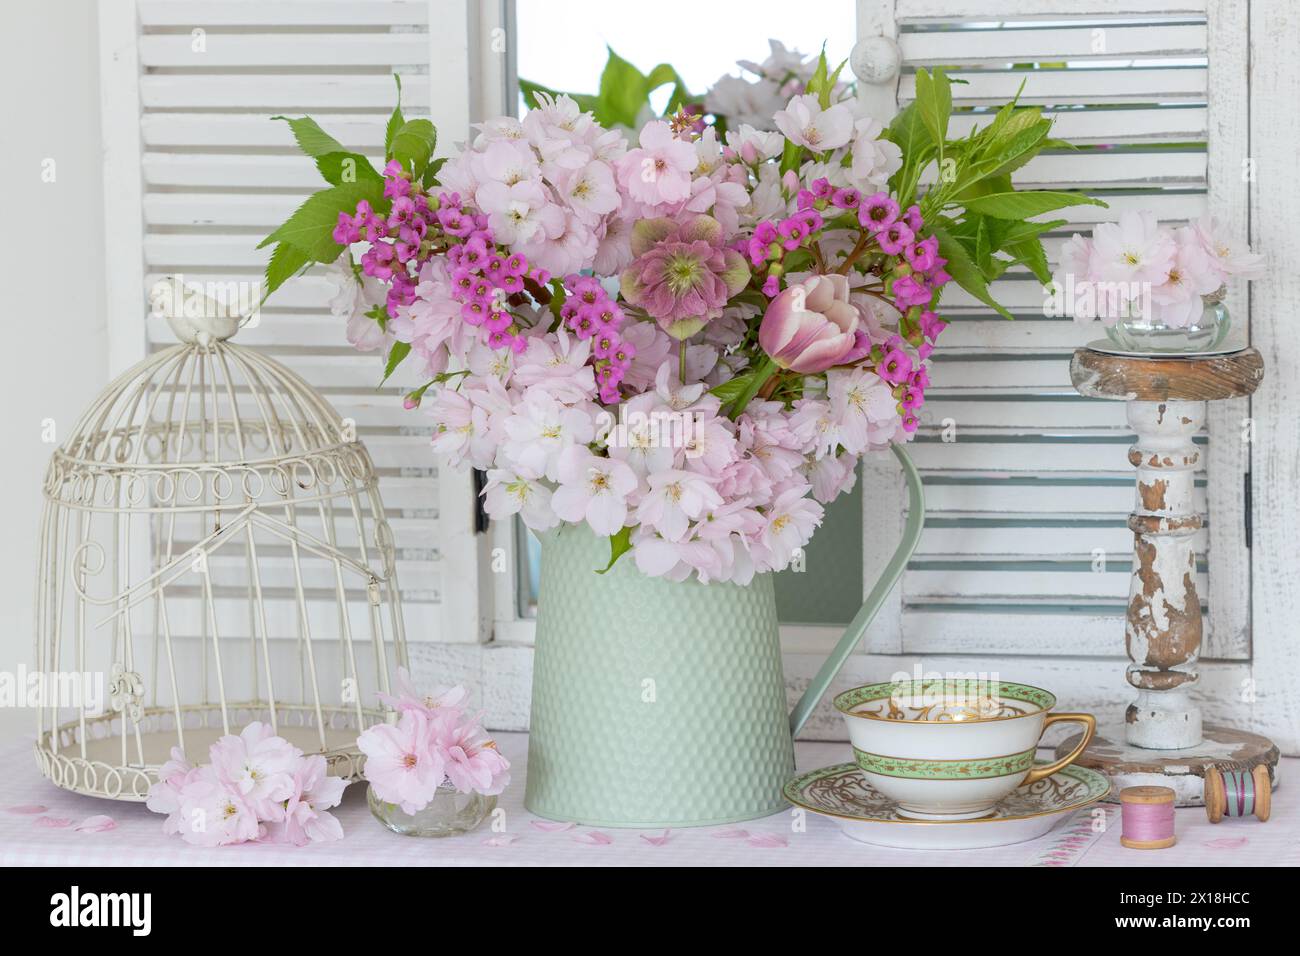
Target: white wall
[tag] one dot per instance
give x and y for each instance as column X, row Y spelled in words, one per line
column 53, row 355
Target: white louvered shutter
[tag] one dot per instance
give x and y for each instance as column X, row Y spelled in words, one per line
column 194, row 157
column 1029, row 495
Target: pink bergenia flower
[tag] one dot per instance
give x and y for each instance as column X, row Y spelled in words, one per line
column 402, row 762
column 594, row 490
column 805, row 123
column 810, row 326
column 659, row 170
column 682, row 276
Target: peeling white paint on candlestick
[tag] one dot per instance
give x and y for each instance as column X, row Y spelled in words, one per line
column 1163, row 626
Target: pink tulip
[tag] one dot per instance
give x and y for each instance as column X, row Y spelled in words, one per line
column 810, row 326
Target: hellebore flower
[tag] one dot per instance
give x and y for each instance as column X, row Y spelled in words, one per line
column 682, row 275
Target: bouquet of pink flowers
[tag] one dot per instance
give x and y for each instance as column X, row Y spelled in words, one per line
column 433, row 742
column 686, row 338
column 257, row 786
column 1136, row 266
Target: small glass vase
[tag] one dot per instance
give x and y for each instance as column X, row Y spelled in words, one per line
column 1148, row 335
column 449, row 813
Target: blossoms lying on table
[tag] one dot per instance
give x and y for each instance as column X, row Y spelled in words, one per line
column 257, row 787
column 1138, row 266
column 433, row 742
column 682, row 340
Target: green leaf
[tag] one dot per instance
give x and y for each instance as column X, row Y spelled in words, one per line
column 430, row 177
column 311, row 139
column 791, row 156
column 340, row 168
column 399, row 351
column 1012, row 232
column 310, row 229
column 586, row 101
column 1023, row 205
column 731, row 389
column 934, row 97
column 1030, row 252
column 413, row 144
column 395, row 122
column 619, row 544
column 624, row 90
column 663, row 74
column 817, row 83
column 964, row 270
column 284, row 263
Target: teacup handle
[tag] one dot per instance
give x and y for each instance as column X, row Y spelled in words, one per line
column 1090, row 727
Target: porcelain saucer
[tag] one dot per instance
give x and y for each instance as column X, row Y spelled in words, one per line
column 863, row 814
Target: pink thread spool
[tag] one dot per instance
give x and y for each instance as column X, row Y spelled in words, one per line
column 1147, row 815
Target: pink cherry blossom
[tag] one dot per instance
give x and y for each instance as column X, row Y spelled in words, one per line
column 804, row 122
column 401, row 764
column 258, row 765
column 594, row 490
column 659, row 169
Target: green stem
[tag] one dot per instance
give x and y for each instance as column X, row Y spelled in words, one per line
column 761, row 375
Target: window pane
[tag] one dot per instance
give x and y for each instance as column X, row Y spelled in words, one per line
column 562, row 45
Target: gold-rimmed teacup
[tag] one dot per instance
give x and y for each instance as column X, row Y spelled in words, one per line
column 949, row 749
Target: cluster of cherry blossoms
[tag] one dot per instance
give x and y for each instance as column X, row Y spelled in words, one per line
column 256, row 787
column 433, row 743
column 1136, row 265
column 678, row 341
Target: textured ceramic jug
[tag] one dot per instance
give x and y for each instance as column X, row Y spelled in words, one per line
column 660, row 703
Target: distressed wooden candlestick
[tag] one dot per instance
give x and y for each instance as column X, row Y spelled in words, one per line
column 1165, row 741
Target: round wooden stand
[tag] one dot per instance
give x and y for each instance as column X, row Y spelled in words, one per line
column 1164, row 742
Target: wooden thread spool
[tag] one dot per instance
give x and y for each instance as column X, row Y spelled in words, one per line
column 1147, row 814
column 1234, row 793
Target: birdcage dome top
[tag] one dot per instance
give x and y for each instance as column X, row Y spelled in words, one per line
column 206, row 411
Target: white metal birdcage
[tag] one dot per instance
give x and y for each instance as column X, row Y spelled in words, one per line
column 214, row 551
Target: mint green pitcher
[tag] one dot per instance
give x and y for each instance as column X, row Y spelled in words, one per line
column 660, row 703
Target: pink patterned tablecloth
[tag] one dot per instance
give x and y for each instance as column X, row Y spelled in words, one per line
column 28, row 838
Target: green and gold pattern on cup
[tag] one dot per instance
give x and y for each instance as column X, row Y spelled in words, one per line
column 944, row 769
column 951, row 748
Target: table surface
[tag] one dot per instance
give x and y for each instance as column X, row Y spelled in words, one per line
column 49, row 836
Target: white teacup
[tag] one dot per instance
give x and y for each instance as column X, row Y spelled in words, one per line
column 951, row 749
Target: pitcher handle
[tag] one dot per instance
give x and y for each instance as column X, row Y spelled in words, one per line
column 884, row 584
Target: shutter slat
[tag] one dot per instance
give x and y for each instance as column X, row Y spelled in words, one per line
column 1111, row 126
column 282, row 50
column 281, row 13
column 278, row 92
column 983, row 540
column 1088, row 497
column 1111, row 85
column 995, row 585
column 357, row 131
column 1084, row 42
